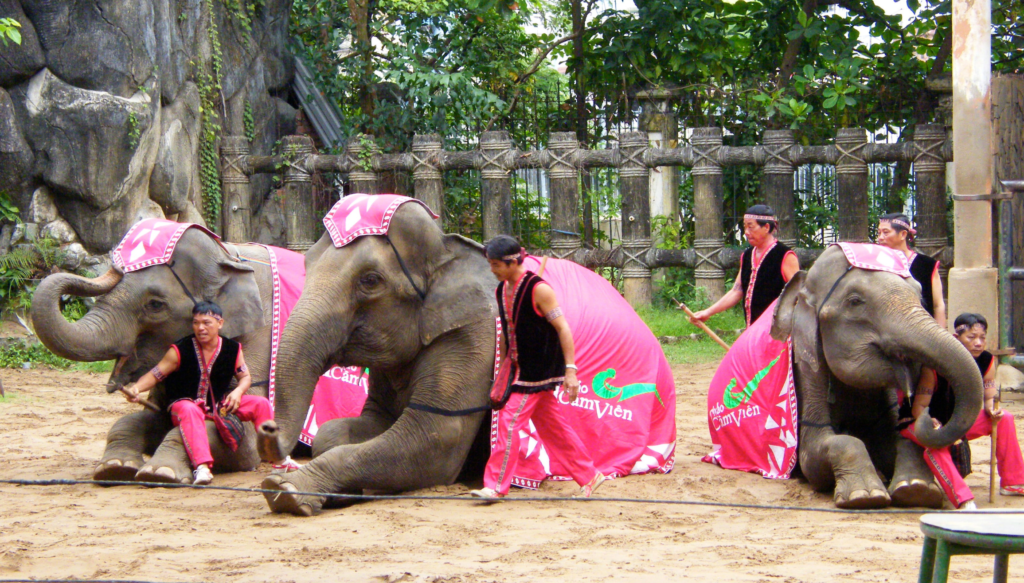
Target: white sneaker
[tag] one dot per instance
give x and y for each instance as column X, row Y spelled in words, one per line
column 286, row 465
column 202, row 476
column 487, row 495
column 969, row 505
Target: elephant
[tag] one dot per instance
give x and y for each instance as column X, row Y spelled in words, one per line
column 416, row 307
column 859, row 337
column 136, row 317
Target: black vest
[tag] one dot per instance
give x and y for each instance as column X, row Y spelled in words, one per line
column 540, row 360
column 943, row 401
column 184, row 382
column 769, row 283
column 922, row 268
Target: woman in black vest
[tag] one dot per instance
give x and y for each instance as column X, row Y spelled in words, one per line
column 765, row 267
column 538, row 346
column 895, row 232
column 934, row 395
column 196, row 373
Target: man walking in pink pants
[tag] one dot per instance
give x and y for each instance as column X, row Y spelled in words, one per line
column 197, row 372
column 538, row 348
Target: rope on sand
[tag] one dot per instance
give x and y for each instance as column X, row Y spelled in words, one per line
column 467, row 498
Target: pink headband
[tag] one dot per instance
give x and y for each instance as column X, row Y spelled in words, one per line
column 901, row 223
column 768, row 218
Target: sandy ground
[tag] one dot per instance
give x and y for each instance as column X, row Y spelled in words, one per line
column 54, row 425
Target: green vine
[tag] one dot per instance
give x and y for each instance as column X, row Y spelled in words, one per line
column 249, row 122
column 208, row 78
column 134, row 130
column 366, row 152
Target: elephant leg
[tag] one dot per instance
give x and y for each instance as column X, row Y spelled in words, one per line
column 843, row 460
column 402, row 458
column 171, row 462
column 349, row 430
column 128, row 439
column 912, row 483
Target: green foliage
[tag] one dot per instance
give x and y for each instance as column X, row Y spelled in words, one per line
column 673, row 322
column 367, row 150
column 10, row 29
column 134, row 130
column 249, row 122
column 207, row 77
column 8, row 212
column 20, row 271
column 16, row 353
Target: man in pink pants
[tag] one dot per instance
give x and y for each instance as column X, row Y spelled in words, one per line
column 197, row 373
column 934, row 395
column 539, row 350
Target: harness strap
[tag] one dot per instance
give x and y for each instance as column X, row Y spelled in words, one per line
column 446, row 412
column 182, row 283
column 261, row 383
column 834, row 286
column 405, row 270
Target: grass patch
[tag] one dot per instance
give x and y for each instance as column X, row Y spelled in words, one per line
column 664, row 322
column 102, row 366
column 16, row 353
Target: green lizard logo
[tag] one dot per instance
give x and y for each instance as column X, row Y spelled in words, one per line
column 733, row 400
column 604, row 389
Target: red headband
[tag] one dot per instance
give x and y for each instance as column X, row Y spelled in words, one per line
column 901, row 223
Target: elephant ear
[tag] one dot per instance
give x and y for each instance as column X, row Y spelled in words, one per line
column 235, row 290
column 460, row 292
column 782, row 319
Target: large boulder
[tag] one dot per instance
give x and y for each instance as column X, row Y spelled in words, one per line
column 15, row 153
column 103, row 45
column 18, row 62
column 94, row 150
column 175, row 178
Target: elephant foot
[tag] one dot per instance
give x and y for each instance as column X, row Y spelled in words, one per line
column 286, row 501
column 267, row 443
column 917, row 493
column 863, row 499
column 115, row 470
column 163, row 475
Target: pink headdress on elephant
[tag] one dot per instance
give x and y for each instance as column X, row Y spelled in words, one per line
column 357, row 215
column 876, row 258
column 151, row 242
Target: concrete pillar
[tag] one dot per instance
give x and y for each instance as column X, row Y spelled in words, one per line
column 298, row 194
column 565, row 194
column 496, row 183
column 362, row 178
column 707, row 209
column 777, row 183
column 428, row 182
column 852, row 182
column 237, row 191
column 973, row 281
column 634, row 183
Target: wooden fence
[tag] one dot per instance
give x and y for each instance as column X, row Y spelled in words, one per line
column 779, row 155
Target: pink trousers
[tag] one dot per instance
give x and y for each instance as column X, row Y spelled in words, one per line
column 1008, row 458
column 552, row 429
column 190, row 417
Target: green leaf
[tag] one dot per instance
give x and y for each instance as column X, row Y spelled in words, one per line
column 830, row 102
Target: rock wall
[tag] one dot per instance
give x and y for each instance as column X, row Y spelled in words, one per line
column 100, row 115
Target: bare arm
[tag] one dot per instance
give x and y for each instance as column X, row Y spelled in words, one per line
column 234, row 398
column 991, row 391
column 167, row 365
column 937, row 301
column 790, row 265
column 923, row 394
column 546, row 301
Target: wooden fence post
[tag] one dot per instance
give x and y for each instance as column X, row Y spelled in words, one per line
column 777, row 183
column 428, row 182
column 361, row 176
column 234, row 151
column 635, row 185
column 565, row 194
column 496, row 184
column 930, row 198
column 852, row 181
column 707, row 209
column 298, row 194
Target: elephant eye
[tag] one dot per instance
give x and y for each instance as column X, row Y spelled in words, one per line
column 154, row 305
column 856, row 301
column 370, row 280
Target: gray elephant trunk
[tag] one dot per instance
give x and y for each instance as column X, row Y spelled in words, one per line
column 926, row 342
column 307, row 345
column 91, row 338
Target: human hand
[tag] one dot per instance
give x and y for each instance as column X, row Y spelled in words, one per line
column 936, row 424
column 571, row 386
column 701, row 316
column 131, row 394
column 995, row 414
column 230, row 403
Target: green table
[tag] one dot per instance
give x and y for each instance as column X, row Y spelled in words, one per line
column 999, row 533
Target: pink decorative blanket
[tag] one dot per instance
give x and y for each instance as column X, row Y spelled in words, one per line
column 364, row 214
column 752, row 413
column 625, row 412
column 876, row 258
column 151, row 242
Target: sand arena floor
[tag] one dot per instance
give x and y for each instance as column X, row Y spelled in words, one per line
column 53, row 425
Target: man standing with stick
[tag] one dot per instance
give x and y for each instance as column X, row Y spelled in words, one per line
column 765, row 267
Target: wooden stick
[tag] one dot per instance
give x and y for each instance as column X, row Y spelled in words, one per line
column 992, row 460
column 702, row 325
column 142, row 401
